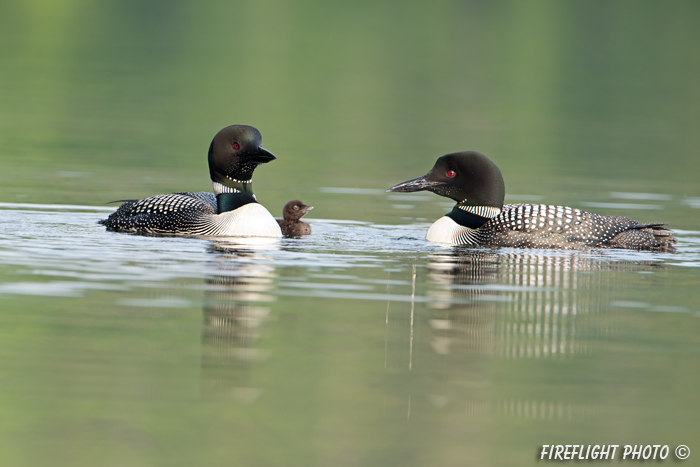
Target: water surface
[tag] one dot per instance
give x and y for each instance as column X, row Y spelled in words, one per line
column 359, row 344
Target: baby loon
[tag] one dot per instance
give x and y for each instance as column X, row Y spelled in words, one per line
column 232, row 210
column 480, row 218
column 291, row 225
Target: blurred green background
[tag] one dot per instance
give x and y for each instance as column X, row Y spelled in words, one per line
column 105, row 100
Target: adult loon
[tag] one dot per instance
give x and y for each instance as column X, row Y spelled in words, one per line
column 291, row 223
column 480, row 218
column 232, row 210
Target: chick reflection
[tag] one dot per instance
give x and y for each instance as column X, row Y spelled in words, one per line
column 234, row 311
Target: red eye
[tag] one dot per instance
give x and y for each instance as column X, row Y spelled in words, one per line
column 451, row 173
column 235, row 146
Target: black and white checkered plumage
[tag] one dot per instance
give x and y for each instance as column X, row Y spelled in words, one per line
column 232, row 210
column 480, row 218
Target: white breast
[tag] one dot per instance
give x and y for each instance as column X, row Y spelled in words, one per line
column 445, row 230
column 250, row 220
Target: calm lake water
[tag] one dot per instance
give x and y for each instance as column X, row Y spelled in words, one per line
column 361, row 344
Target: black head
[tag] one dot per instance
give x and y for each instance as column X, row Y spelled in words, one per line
column 235, row 152
column 467, row 177
column 295, row 210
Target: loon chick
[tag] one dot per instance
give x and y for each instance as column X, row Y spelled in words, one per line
column 291, row 224
column 480, row 218
column 232, row 210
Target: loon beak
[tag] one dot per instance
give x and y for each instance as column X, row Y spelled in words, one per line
column 417, row 184
column 261, row 156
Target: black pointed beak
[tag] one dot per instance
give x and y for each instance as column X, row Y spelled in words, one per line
column 261, row 156
column 417, row 184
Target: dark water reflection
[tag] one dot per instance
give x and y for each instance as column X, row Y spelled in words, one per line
column 525, row 305
column 235, row 307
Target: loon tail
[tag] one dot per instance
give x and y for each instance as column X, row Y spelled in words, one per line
column 122, row 201
column 645, row 236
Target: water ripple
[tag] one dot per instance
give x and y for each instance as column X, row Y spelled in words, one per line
column 52, row 252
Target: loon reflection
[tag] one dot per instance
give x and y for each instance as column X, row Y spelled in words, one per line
column 492, row 306
column 522, row 304
column 235, row 308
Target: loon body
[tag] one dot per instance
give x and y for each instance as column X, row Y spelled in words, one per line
column 291, row 223
column 232, row 210
column 480, row 218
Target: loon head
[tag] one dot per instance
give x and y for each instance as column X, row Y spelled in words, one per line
column 467, row 177
column 295, row 210
column 234, row 154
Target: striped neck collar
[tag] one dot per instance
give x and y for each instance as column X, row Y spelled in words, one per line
column 233, row 195
column 472, row 217
column 489, row 212
column 234, row 186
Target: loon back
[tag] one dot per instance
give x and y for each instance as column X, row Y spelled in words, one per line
column 545, row 226
column 191, row 214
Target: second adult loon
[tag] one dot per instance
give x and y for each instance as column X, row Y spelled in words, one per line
column 232, row 210
column 480, row 218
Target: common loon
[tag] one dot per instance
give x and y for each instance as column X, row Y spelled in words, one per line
column 291, row 224
column 232, row 210
column 480, row 218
